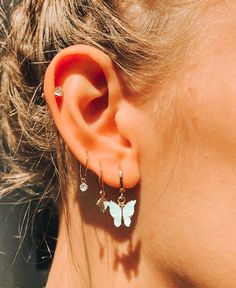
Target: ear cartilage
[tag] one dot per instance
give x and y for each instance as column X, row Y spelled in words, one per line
column 58, row 92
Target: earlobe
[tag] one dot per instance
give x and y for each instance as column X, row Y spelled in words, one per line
column 83, row 92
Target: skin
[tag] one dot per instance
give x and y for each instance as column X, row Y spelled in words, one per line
column 180, row 166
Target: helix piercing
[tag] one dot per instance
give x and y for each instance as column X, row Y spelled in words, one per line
column 58, row 92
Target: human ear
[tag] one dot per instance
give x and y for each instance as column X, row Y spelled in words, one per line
column 90, row 117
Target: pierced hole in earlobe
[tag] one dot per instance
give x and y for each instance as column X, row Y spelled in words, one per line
column 95, row 108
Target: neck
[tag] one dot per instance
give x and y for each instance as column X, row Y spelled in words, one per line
column 99, row 260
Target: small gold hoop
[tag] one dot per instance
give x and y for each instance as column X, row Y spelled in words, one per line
column 122, row 189
column 101, row 184
column 121, row 199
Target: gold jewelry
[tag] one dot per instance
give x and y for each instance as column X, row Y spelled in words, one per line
column 100, row 203
column 121, row 211
column 121, row 199
column 84, row 185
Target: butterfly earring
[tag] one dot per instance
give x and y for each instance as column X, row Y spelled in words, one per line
column 121, row 211
column 101, row 201
column 84, row 186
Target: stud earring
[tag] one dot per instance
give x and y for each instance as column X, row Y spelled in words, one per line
column 121, row 211
column 58, row 92
column 100, row 203
column 84, row 185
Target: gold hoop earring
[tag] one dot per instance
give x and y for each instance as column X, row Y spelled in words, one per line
column 84, row 186
column 101, row 201
column 121, row 211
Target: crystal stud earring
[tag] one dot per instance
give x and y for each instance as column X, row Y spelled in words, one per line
column 58, row 92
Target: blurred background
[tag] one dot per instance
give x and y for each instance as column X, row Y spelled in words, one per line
column 27, row 234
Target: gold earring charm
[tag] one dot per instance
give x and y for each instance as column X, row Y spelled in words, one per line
column 84, row 186
column 121, row 211
column 100, row 203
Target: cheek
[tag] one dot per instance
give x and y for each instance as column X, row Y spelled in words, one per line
column 206, row 226
column 210, row 106
column 214, row 83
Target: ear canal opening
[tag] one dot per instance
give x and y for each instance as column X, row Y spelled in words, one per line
column 125, row 142
column 95, row 108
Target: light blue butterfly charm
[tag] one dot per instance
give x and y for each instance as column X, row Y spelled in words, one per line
column 121, row 212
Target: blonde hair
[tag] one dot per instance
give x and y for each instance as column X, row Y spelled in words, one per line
column 145, row 39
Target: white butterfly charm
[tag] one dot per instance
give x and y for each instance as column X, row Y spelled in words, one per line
column 119, row 212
